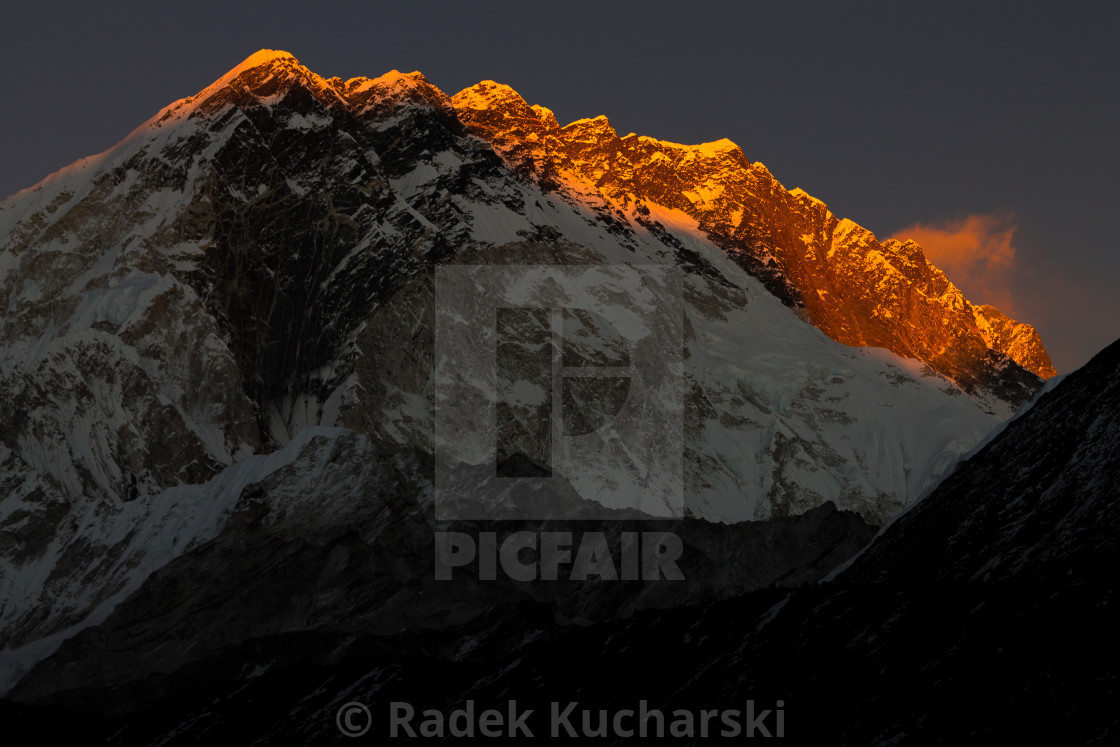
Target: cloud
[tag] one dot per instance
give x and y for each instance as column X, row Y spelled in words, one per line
column 976, row 254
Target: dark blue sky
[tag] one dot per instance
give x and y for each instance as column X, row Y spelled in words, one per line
column 894, row 114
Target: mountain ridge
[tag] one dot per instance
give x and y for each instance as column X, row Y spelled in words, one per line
column 856, row 289
column 587, row 158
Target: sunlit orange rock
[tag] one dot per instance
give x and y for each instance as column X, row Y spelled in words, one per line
column 856, row 289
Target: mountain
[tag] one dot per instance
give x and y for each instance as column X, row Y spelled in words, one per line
column 219, row 357
column 857, row 290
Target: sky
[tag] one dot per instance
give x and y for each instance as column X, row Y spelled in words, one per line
column 987, row 133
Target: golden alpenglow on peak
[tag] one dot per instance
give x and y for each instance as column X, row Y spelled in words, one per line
column 841, row 278
column 849, row 284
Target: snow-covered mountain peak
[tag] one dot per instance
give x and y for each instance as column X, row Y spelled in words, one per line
column 488, row 94
column 257, row 59
column 380, row 97
column 265, row 78
column 257, row 261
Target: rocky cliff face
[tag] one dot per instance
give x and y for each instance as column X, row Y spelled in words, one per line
column 856, row 289
column 187, row 311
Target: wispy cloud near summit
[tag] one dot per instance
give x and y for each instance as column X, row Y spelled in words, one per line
column 976, row 252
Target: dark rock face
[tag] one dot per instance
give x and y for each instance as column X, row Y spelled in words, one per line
column 291, row 208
